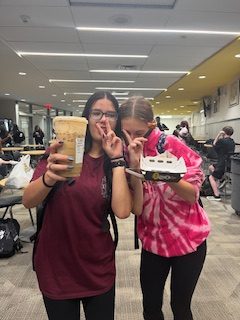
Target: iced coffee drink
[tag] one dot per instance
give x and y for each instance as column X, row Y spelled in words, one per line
column 72, row 131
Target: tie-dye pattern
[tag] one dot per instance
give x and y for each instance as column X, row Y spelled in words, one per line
column 168, row 225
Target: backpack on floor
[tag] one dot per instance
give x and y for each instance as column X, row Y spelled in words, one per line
column 206, row 188
column 9, row 237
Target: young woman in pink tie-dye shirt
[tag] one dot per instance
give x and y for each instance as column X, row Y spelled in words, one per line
column 173, row 226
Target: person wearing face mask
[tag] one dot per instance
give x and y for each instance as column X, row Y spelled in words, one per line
column 77, row 263
column 172, row 225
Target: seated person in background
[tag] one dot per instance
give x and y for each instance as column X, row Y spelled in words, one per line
column 160, row 125
column 224, row 145
column 185, row 135
column 5, row 159
column 5, row 137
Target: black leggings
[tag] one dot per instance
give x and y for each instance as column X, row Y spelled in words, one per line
column 95, row 308
column 185, row 271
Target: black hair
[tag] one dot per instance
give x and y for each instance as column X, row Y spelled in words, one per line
column 88, row 107
column 228, row 130
column 15, row 128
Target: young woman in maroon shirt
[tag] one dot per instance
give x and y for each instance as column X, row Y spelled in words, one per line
column 74, row 258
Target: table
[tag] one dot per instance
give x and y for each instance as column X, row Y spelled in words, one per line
column 33, row 152
column 11, row 149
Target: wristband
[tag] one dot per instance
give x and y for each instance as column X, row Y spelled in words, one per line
column 44, row 182
column 118, row 163
column 117, row 158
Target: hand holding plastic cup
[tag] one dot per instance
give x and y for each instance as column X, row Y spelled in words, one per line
column 72, row 131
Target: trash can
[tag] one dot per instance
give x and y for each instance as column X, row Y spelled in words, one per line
column 235, row 169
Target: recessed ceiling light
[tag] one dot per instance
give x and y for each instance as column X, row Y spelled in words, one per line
column 195, row 102
column 91, row 81
column 180, row 89
column 237, row 55
column 137, row 89
column 175, row 109
column 157, row 102
column 181, row 106
column 63, row 100
column 23, row 100
column 137, row 30
column 189, row 111
column 41, row 87
column 22, row 73
column 201, row 77
column 138, row 71
column 7, row 94
column 168, row 97
column 54, row 95
column 93, row 55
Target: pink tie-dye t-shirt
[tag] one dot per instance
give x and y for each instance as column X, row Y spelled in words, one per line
column 170, row 226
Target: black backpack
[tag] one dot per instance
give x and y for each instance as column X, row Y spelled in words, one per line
column 9, row 237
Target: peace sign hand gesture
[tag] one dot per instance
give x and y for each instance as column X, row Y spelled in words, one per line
column 135, row 149
column 111, row 144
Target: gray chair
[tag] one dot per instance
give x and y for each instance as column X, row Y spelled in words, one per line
column 9, row 201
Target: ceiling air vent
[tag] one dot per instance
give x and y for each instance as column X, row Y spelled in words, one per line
column 127, row 67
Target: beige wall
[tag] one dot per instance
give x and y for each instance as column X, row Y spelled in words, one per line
column 215, row 121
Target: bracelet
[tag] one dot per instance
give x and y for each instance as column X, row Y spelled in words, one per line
column 118, row 163
column 117, row 158
column 44, row 182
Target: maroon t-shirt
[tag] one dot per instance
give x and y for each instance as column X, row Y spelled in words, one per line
column 75, row 256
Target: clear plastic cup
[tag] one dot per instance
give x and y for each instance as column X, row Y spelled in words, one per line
column 72, row 131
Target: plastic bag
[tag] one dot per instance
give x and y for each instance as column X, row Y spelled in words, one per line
column 21, row 174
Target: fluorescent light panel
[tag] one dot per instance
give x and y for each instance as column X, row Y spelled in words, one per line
column 90, row 55
column 148, row 89
column 138, row 30
column 138, row 71
column 120, row 93
column 76, row 93
column 91, row 81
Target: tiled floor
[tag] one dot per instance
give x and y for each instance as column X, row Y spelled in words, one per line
column 217, row 296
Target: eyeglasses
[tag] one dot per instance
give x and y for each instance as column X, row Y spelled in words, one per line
column 98, row 114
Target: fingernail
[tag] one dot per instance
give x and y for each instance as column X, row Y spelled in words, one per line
column 70, row 167
column 70, row 158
